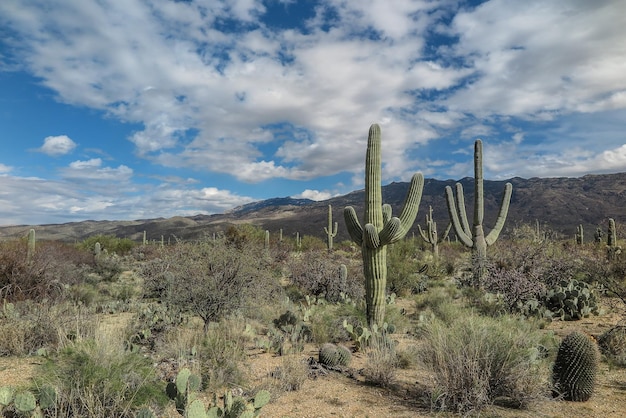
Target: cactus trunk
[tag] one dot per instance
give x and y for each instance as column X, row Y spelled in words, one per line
column 329, row 230
column 380, row 228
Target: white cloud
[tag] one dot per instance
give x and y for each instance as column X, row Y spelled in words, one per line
column 92, row 170
column 5, row 168
column 313, row 195
column 534, row 57
column 57, row 145
column 211, row 100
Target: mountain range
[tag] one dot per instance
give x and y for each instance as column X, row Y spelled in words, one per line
column 558, row 204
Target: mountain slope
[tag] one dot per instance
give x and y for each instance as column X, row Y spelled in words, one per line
column 558, row 203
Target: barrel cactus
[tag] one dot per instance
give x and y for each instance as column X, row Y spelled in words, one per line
column 575, row 368
column 335, row 355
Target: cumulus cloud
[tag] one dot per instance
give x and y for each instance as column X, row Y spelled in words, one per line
column 257, row 102
column 57, row 145
column 313, row 195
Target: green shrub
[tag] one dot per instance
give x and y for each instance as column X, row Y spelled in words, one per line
column 476, row 360
column 210, row 279
column 318, row 273
column 52, row 268
column 27, row 327
column 221, row 354
column 108, row 243
column 382, row 361
column 101, row 380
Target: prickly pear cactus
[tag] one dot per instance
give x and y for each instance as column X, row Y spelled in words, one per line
column 575, row 368
column 6, row 396
column 25, row 402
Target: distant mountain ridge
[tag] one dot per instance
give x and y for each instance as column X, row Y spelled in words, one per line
column 560, row 204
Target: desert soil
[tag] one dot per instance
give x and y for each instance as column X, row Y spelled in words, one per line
column 337, row 394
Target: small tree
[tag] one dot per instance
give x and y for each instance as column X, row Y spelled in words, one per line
column 210, row 279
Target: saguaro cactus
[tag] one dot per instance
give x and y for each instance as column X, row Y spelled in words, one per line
column 430, row 234
column 380, row 227
column 31, row 246
column 611, row 239
column 475, row 238
column 330, row 231
column 580, row 235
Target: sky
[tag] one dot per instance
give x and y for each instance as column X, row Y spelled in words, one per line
column 138, row 109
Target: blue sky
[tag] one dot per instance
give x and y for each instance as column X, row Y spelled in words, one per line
column 134, row 109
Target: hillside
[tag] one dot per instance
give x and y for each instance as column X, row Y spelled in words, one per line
column 557, row 203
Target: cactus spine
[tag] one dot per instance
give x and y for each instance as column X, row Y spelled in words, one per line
column 475, row 238
column 380, row 228
column 330, row 231
column 430, row 234
column 575, row 368
column 580, row 235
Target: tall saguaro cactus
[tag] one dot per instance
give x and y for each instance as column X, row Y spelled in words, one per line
column 330, row 231
column 380, row 227
column 430, row 235
column 475, row 238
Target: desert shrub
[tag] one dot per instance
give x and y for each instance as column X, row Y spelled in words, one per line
column 326, row 322
column 27, row 327
column 290, row 375
column 406, row 268
column 612, row 345
column 524, row 270
column 318, row 273
column 108, row 243
column 244, row 235
column 150, row 322
column 381, row 361
column 221, row 353
column 210, row 279
column 53, row 266
column 311, row 243
column 100, row 380
column 477, row 360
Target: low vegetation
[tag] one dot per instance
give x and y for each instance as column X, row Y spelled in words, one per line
column 110, row 330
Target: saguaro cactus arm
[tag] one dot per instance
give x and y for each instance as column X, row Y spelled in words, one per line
column 353, row 226
column 459, row 229
column 504, row 210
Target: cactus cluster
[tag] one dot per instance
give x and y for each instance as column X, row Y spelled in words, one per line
column 288, row 335
column 380, row 228
column 184, row 392
column 575, row 368
column 572, row 300
column 335, row 355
